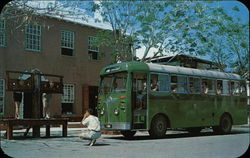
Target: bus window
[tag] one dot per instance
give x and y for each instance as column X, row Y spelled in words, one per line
column 211, row 86
column 219, row 87
column 235, row 88
column 194, row 85
column 119, row 83
column 182, row 84
column 106, row 82
column 174, row 85
column 113, row 83
column 208, row 86
column 159, row 82
column 204, row 86
column 154, row 82
column 225, row 87
column 243, row 88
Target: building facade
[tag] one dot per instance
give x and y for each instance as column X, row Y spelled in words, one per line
column 52, row 46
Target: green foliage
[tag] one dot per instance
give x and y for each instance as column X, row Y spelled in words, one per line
column 167, row 26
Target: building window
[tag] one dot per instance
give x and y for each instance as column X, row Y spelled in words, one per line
column 1, row 96
column 33, row 34
column 68, row 98
column 2, row 32
column 93, row 51
column 68, row 93
column 67, row 42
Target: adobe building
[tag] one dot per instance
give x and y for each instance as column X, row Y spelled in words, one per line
column 51, row 45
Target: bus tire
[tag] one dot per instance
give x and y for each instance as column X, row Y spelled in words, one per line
column 128, row 134
column 225, row 125
column 158, row 127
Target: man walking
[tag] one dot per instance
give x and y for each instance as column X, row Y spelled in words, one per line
column 93, row 131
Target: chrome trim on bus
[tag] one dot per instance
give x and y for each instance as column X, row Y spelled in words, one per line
column 120, row 126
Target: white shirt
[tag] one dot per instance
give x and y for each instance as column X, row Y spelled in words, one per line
column 92, row 123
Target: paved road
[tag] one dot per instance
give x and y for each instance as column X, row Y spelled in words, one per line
column 175, row 144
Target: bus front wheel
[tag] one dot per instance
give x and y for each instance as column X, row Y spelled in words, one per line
column 158, row 127
column 128, row 134
column 225, row 125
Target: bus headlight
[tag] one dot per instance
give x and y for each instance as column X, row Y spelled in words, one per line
column 116, row 111
column 102, row 111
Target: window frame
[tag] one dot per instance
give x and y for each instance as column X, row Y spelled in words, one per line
column 200, row 80
column 31, row 39
column 66, row 39
column 90, row 46
column 239, row 88
column 3, row 31
column 71, row 98
column 177, row 76
column 159, row 91
column 229, row 87
column 215, row 87
column 91, row 50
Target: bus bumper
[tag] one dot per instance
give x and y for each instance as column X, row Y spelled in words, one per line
column 116, row 126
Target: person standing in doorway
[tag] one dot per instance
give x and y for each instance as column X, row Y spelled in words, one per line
column 92, row 123
column 17, row 96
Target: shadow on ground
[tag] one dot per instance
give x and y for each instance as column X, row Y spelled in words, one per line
column 173, row 136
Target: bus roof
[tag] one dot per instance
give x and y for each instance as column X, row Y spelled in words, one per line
column 150, row 67
column 192, row 72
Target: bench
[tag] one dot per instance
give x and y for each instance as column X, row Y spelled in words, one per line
column 35, row 124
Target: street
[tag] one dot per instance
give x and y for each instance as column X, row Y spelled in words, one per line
column 176, row 144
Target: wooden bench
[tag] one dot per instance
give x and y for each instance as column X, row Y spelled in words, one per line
column 34, row 123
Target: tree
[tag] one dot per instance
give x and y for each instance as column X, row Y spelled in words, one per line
column 23, row 11
column 190, row 27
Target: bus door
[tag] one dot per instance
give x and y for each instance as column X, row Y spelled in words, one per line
column 139, row 100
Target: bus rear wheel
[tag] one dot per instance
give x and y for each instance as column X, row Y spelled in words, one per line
column 158, row 127
column 225, row 125
column 128, row 134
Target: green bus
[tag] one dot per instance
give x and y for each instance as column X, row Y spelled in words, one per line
column 136, row 96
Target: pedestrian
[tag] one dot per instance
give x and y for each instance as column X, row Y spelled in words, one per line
column 92, row 123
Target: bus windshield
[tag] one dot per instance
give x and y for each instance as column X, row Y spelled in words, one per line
column 113, row 83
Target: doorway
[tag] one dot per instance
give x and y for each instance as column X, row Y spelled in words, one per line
column 139, row 100
column 93, row 95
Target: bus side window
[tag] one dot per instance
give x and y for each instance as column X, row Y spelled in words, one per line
column 174, row 85
column 194, row 85
column 160, row 82
column 204, row 86
column 182, row 84
column 225, row 87
column 235, row 88
column 208, row 86
column 219, row 87
column 154, row 82
column 211, row 86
